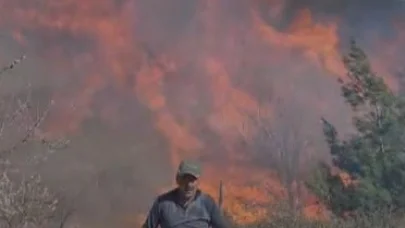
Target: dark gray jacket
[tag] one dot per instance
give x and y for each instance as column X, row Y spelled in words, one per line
column 166, row 212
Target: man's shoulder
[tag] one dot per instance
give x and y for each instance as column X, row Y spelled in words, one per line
column 207, row 200
column 166, row 196
column 206, row 197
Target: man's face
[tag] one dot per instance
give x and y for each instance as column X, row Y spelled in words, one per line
column 188, row 185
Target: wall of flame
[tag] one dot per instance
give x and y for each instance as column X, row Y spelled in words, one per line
column 197, row 70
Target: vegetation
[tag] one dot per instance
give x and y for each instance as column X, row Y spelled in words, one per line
column 25, row 200
column 372, row 158
column 283, row 218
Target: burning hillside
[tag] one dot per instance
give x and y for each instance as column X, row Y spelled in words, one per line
column 197, row 70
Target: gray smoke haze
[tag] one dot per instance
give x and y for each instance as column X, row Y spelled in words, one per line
column 117, row 155
column 358, row 17
column 350, row 9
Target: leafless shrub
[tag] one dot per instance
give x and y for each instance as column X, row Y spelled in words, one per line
column 25, row 202
column 283, row 141
column 21, row 117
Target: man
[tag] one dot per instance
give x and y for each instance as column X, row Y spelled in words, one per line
column 185, row 206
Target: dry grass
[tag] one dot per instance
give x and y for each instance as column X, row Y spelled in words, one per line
column 283, row 218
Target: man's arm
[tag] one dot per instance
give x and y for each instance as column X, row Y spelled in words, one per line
column 217, row 218
column 153, row 219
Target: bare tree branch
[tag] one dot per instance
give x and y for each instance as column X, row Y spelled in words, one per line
column 283, row 138
column 12, row 65
column 24, row 202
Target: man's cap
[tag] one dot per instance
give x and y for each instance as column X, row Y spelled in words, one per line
column 189, row 167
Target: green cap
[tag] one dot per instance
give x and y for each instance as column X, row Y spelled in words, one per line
column 189, row 167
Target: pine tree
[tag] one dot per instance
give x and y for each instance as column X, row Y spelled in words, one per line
column 374, row 156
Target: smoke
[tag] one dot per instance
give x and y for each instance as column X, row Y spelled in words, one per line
column 364, row 20
column 356, row 8
column 137, row 82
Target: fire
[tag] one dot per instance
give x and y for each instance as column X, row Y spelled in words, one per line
column 319, row 42
column 244, row 198
column 224, row 53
